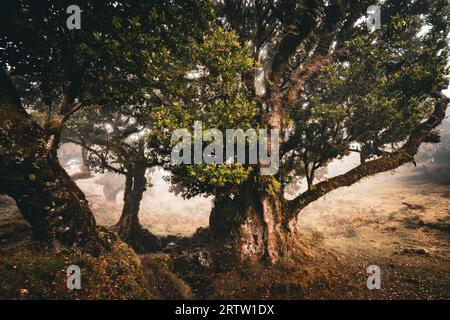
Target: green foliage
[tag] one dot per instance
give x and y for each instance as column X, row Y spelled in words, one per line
column 124, row 53
column 212, row 92
column 379, row 87
column 370, row 99
column 210, row 179
column 114, row 59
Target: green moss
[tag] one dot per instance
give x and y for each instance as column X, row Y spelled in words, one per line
column 41, row 274
column 158, row 268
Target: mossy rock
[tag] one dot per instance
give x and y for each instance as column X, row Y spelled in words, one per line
column 159, row 268
column 35, row 272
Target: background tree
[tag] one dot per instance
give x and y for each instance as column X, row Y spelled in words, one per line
column 434, row 157
column 112, row 185
column 109, row 60
column 330, row 87
column 442, row 152
column 114, row 133
column 115, row 143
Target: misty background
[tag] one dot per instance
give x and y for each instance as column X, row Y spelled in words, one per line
column 165, row 212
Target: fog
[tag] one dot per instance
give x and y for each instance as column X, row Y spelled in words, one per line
column 164, row 212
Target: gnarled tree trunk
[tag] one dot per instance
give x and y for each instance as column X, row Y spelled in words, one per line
column 253, row 226
column 129, row 228
column 49, row 200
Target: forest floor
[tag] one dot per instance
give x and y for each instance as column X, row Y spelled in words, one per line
column 30, row 270
column 398, row 221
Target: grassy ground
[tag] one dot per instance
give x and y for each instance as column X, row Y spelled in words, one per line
column 399, row 222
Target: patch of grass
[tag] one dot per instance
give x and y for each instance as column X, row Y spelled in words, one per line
column 306, row 272
column 286, row 280
column 30, row 270
column 37, row 273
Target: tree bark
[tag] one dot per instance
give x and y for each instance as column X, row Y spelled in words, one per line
column 129, row 228
column 85, row 171
column 49, row 200
column 253, row 226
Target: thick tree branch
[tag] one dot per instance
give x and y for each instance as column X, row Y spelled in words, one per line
column 74, row 108
column 336, row 29
column 385, row 163
column 100, row 156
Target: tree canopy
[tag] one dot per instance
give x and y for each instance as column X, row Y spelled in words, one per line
column 324, row 79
